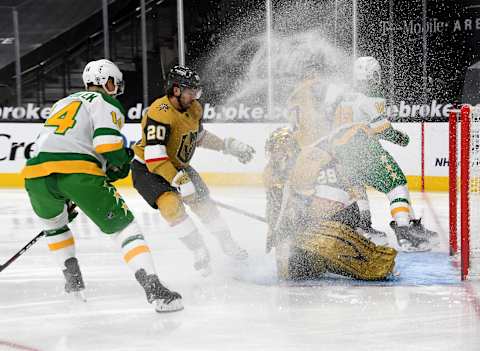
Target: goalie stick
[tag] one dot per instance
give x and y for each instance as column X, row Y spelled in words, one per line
column 22, row 251
column 240, row 211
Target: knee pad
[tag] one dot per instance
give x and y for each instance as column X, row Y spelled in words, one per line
column 171, row 207
column 55, row 222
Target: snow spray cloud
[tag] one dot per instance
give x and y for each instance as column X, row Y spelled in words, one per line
column 302, row 36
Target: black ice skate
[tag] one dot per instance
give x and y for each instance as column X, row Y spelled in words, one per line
column 414, row 238
column 73, row 279
column 163, row 299
column 365, row 228
column 417, row 226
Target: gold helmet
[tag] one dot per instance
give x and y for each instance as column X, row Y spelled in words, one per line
column 281, row 143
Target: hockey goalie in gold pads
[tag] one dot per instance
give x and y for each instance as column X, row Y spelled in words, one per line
column 312, row 217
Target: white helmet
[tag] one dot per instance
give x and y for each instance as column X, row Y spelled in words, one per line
column 98, row 72
column 367, row 68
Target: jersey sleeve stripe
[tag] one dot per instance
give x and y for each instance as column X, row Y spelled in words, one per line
column 155, row 153
column 106, row 131
column 150, row 160
column 107, row 143
column 380, row 126
column 103, row 148
column 106, row 139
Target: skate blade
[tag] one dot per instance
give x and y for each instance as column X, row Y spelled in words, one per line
column 162, row 307
column 410, row 248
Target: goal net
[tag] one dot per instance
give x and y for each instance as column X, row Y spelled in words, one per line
column 464, row 188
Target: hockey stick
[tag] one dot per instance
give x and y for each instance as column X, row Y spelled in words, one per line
column 240, row 211
column 22, row 251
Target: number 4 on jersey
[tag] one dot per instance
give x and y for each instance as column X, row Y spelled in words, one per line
column 65, row 118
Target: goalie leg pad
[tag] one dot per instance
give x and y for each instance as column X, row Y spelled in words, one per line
column 171, row 207
column 347, row 253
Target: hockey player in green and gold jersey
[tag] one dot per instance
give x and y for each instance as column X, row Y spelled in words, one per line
column 171, row 130
column 361, row 121
column 312, row 226
column 353, row 140
column 79, row 152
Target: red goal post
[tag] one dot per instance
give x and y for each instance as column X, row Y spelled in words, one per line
column 464, row 195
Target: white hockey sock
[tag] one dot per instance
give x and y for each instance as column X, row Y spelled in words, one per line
column 212, row 219
column 400, row 207
column 61, row 243
column 188, row 234
column 135, row 250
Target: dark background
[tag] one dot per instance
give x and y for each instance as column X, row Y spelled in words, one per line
column 54, row 53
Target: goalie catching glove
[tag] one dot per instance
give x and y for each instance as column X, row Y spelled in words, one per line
column 184, row 184
column 242, row 151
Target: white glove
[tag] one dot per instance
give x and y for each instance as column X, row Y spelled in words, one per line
column 183, row 183
column 236, row 148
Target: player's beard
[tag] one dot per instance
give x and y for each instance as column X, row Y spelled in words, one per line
column 182, row 106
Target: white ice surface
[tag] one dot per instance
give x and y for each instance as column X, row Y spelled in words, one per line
column 239, row 307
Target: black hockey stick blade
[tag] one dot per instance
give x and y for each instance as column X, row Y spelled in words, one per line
column 21, row 251
column 240, row 211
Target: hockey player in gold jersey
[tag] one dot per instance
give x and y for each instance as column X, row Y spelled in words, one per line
column 312, row 227
column 171, row 130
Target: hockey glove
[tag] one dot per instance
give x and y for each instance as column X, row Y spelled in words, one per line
column 115, row 173
column 183, row 183
column 236, row 148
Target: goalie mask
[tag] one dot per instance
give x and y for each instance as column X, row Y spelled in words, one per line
column 184, row 77
column 99, row 72
column 367, row 69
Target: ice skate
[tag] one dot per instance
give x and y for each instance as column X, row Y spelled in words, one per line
column 231, row 248
column 417, row 227
column 410, row 238
column 161, row 297
column 74, row 284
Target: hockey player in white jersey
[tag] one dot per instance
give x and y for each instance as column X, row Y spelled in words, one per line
column 367, row 106
column 79, row 153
